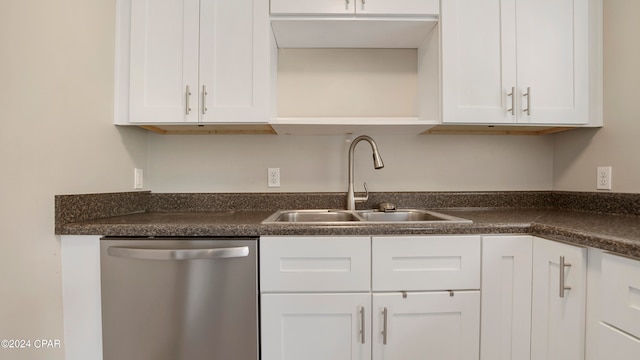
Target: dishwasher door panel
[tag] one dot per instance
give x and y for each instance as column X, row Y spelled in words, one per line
column 179, row 299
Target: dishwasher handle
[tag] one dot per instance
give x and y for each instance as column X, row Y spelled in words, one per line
column 178, row 254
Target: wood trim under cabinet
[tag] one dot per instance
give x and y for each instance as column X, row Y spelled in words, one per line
column 210, row 129
column 494, row 130
column 266, row 129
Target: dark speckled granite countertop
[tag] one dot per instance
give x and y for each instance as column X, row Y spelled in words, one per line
column 567, row 217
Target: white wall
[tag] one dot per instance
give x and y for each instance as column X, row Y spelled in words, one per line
column 579, row 153
column 237, row 163
column 56, row 137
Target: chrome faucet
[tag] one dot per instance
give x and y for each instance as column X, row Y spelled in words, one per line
column 377, row 164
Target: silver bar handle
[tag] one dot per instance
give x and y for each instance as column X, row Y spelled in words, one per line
column 204, row 99
column 513, row 101
column 563, row 265
column 188, row 97
column 528, row 96
column 178, row 254
column 347, row 4
column 385, row 330
column 362, row 325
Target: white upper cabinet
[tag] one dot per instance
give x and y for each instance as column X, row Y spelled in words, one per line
column 312, row 7
column 397, row 7
column 350, row 7
column 192, row 61
column 521, row 61
column 235, row 66
column 164, row 60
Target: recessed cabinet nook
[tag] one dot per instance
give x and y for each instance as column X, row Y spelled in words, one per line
column 345, row 66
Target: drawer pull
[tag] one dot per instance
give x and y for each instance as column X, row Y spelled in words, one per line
column 188, row 98
column 204, row 99
column 513, row 101
column 528, row 96
column 563, row 288
column 384, row 326
column 362, row 325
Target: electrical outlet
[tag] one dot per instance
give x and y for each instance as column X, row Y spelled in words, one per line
column 138, row 180
column 273, row 177
column 604, row 178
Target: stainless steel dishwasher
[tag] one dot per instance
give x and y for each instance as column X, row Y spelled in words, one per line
column 179, row 298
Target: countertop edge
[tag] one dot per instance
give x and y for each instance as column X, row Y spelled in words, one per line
column 614, row 244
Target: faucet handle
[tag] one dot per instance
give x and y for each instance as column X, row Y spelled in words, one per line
column 366, row 194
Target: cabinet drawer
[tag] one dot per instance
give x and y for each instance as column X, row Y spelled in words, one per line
column 617, row 345
column 315, row 264
column 425, row 263
column 621, row 293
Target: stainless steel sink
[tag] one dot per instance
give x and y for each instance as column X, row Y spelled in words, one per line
column 408, row 215
column 313, row 216
column 360, row 216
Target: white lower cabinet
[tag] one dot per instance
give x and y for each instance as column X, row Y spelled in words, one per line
column 525, row 315
column 313, row 320
column 506, row 297
column 316, row 326
column 621, row 293
column 618, row 345
column 421, row 263
column 533, row 298
column 619, row 327
column 426, row 325
column 559, row 301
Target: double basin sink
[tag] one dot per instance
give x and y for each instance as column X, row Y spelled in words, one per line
column 361, row 216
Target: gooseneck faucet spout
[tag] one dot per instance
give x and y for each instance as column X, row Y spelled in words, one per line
column 377, row 164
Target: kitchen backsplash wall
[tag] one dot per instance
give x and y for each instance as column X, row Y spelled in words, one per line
column 578, row 153
column 238, row 163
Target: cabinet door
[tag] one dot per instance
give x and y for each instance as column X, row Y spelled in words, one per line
column 426, row 325
column 558, row 323
column 316, row 326
column 397, row 7
column 164, row 61
column 506, row 297
column 478, row 61
column 312, row 7
column 234, row 61
column 553, row 61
